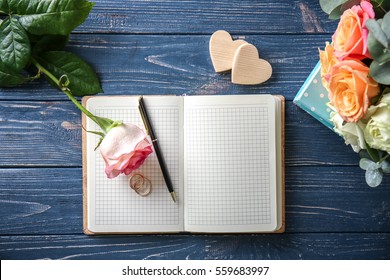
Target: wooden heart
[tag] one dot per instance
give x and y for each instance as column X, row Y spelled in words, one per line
column 222, row 50
column 248, row 68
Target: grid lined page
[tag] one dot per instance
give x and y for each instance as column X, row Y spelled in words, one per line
column 113, row 205
column 230, row 166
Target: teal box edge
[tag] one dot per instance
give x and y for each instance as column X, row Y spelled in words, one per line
column 312, row 97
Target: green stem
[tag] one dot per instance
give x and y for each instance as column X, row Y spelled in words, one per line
column 64, row 89
column 37, row 76
column 67, row 92
column 383, row 159
column 383, row 10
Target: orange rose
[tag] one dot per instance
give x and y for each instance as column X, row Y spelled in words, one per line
column 350, row 38
column 350, row 89
column 327, row 60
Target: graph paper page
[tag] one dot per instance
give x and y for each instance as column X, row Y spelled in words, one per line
column 230, row 165
column 112, row 205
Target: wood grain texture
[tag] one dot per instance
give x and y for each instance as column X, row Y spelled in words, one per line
column 39, row 200
column 222, row 247
column 160, row 64
column 161, row 47
column 248, row 68
column 222, row 50
column 204, row 16
column 49, row 134
column 48, row 201
column 39, row 134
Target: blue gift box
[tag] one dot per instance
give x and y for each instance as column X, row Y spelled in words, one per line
column 313, row 96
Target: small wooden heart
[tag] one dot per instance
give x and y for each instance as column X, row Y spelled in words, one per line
column 248, row 68
column 222, row 50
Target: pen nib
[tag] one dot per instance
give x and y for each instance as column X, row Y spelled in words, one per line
column 173, row 194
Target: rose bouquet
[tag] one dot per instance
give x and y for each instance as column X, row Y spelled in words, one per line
column 355, row 70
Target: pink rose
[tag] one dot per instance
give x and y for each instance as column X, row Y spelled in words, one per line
column 350, row 38
column 124, row 149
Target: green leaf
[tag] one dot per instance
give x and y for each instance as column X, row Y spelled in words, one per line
column 386, row 25
column 380, row 72
column 385, row 4
column 50, row 43
column 380, row 7
column 336, row 13
column 377, row 3
column 4, row 6
column 99, row 143
column 375, row 48
column 375, row 28
column 336, row 8
column 101, row 134
column 374, row 177
column 385, row 166
column 384, row 59
column 364, row 154
column 328, row 6
column 386, row 90
column 83, row 79
column 367, row 164
column 9, row 78
column 58, row 17
column 14, row 44
column 373, row 153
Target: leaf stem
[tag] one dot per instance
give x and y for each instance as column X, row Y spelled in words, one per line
column 104, row 124
column 37, row 76
column 384, row 158
column 383, row 9
column 64, row 89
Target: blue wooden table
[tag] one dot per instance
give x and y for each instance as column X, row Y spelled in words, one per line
column 161, row 47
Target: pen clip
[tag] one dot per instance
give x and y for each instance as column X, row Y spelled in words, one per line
column 141, row 112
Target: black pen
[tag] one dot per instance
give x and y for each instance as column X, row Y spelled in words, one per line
column 149, row 130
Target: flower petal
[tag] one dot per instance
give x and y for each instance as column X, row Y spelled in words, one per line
column 124, row 149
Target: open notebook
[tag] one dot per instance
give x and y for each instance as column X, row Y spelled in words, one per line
column 224, row 155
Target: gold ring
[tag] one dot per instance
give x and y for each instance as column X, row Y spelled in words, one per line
column 140, row 184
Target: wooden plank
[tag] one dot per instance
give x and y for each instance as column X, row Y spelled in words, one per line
column 161, row 64
column 49, row 201
column 202, row 17
column 223, row 247
column 49, row 134
column 39, row 134
column 336, row 199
